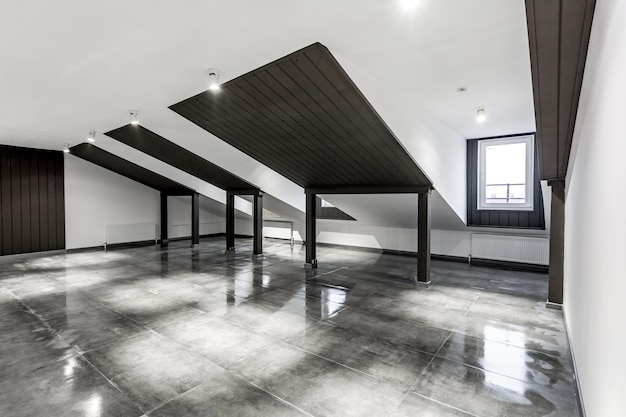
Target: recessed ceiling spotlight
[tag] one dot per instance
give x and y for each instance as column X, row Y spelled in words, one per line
column 481, row 115
column 409, row 5
column 214, row 79
column 92, row 136
column 66, row 148
column 134, row 119
column 461, row 89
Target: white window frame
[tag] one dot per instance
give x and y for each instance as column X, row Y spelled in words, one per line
column 529, row 140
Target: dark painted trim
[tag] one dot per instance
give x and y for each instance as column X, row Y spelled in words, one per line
column 450, row 258
column 366, row 190
column 579, row 395
column 512, row 266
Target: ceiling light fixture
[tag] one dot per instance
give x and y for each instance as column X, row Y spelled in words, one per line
column 409, row 5
column 461, row 89
column 214, row 79
column 134, row 119
column 66, row 148
column 92, row 136
column 481, row 115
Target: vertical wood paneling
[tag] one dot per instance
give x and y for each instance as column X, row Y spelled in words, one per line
column 16, row 212
column 5, row 202
column 25, row 201
column 32, row 207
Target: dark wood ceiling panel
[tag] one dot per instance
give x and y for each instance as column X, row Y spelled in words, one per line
column 158, row 147
column 128, row 169
column 303, row 117
column 558, row 34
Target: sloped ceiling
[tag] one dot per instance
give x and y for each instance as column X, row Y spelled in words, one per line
column 72, row 66
column 302, row 116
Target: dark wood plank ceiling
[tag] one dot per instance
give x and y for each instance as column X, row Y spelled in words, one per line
column 160, row 148
column 558, row 34
column 303, row 117
column 128, row 169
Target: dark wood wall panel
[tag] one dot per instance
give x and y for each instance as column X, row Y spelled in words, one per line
column 32, row 200
column 534, row 219
column 303, row 116
column 331, row 213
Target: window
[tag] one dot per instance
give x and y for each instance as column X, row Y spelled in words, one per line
column 503, row 186
column 506, row 174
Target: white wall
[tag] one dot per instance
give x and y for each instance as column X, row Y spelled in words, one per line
column 95, row 197
column 595, row 223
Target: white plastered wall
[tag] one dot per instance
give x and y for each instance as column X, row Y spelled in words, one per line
column 595, row 224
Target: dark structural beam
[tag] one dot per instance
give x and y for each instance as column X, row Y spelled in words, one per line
column 368, row 190
column 558, row 35
column 230, row 221
column 557, row 244
column 164, row 235
column 311, row 208
column 423, row 239
column 195, row 219
column 257, row 219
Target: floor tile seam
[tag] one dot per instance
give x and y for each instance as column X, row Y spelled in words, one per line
column 114, row 342
column 555, row 313
column 532, row 384
column 396, row 388
column 551, row 355
column 398, row 319
column 176, row 397
column 412, row 388
column 470, row 314
column 381, row 339
column 446, row 404
column 110, row 381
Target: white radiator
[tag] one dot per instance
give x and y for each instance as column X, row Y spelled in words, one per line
column 527, row 249
column 133, row 232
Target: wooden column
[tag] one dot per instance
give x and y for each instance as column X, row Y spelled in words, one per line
column 557, row 240
column 230, row 221
column 258, row 224
column 423, row 239
column 164, row 236
column 195, row 219
column 311, row 214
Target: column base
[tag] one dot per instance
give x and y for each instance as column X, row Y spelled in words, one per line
column 230, row 250
column 194, row 245
column 257, row 255
column 425, row 284
column 311, row 265
column 164, row 242
column 554, row 306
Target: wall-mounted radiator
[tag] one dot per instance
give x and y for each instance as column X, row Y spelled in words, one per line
column 126, row 233
column 526, row 249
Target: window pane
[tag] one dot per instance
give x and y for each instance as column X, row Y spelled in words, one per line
column 505, row 173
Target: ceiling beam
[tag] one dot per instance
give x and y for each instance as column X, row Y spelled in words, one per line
column 558, row 35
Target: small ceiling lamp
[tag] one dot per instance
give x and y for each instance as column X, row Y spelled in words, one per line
column 214, row 79
column 134, row 119
column 481, row 115
column 92, row 136
column 66, row 148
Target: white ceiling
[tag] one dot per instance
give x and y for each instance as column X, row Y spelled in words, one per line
column 71, row 66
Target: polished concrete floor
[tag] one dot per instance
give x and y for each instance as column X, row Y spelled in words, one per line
column 196, row 332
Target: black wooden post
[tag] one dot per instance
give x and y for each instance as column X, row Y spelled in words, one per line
column 195, row 219
column 164, row 236
column 311, row 208
column 557, row 240
column 258, row 224
column 230, row 221
column 423, row 238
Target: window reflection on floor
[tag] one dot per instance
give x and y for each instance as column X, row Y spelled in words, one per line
column 501, row 356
